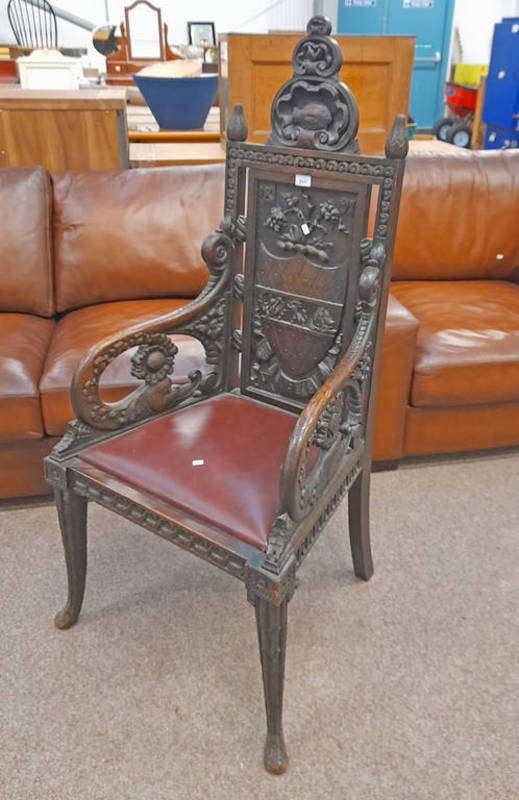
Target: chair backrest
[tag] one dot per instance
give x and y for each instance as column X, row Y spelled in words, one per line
column 33, row 23
column 306, row 196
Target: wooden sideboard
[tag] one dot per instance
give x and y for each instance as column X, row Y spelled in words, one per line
column 62, row 130
column 376, row 68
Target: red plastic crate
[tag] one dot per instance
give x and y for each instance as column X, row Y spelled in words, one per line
column 460, row 99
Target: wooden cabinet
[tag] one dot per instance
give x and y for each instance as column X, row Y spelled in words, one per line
column 62, row 130
column 376, row 68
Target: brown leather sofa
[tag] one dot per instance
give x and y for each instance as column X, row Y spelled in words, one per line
column 456, row 271
column 85, row 255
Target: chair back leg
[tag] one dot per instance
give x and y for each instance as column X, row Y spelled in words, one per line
column 72, row 515
column 358, row 517
column 272, row 636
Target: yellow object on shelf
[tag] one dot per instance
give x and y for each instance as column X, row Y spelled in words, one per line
column 469, row 74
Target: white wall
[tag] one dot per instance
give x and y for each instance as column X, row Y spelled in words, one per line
column 243, row 16
column 475, row 20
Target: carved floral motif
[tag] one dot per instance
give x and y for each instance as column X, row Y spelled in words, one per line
column 284, row 308
column 209, row 329
column 153, row 363
column 305, row 227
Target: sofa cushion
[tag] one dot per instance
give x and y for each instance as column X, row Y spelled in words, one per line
column 25, row 241
column 231, row 447
column 24, row 339
column 134, row 234
column 468, row 341
column 459, row 216
column 78, row 331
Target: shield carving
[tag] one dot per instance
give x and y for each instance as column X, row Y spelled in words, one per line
column 302, row 253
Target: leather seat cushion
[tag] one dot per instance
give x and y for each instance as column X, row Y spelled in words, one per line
column 134, row 234
column 468, row 341
column 24, row 339
column 241, row 443
column 79, row 330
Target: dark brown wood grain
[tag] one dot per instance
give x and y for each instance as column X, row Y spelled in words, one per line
column 292, row 316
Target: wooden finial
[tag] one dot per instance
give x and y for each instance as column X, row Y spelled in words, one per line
column 314, row 109
column 237, row 127
column 397, row 145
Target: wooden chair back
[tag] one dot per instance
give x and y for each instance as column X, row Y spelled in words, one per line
column 309, row 261
column 33, row 23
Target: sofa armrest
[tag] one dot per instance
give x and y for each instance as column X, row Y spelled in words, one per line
column 396, row 369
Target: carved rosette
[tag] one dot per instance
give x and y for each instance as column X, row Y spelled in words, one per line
column 314, row 109
column 152, row 363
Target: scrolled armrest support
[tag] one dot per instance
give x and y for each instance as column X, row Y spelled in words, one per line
column 330, row 427
column 153, row 362
column 329, row 424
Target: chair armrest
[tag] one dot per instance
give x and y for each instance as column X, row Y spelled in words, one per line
column 153, row 363
column 396, row 369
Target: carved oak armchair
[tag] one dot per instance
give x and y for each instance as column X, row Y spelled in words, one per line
column 243, row 463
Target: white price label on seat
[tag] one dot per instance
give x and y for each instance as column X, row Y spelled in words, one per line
column 303, row 180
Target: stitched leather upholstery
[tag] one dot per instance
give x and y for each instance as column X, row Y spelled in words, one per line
column 241, row 443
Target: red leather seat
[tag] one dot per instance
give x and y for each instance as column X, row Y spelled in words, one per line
column 241, row 444
column 467, row 349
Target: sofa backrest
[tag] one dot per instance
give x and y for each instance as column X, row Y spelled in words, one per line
column 133, row 234
column 25, row 241
column 459, row 216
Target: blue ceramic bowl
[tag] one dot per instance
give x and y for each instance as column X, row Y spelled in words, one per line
column 178, row 103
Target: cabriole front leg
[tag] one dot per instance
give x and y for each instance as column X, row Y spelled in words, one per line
column 72, row 515
column 272, row 635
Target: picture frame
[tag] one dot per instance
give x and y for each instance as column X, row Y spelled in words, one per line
column 201, row 34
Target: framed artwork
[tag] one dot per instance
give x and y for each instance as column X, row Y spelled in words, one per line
column 201, row 34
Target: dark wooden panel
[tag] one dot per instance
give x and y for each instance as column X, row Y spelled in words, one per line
column 302, row 266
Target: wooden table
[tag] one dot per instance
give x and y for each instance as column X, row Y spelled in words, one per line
column 142, row 127
column 163, row 154
column 63, row 130
column 157, row 154
column 152, row 147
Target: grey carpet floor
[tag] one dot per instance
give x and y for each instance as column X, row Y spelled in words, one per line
column 405, row 688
